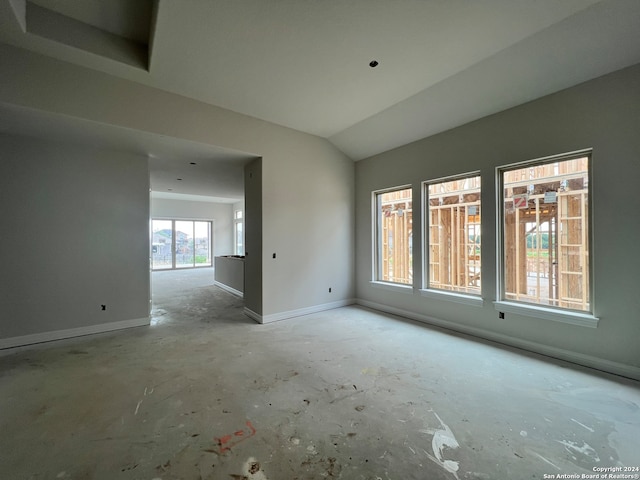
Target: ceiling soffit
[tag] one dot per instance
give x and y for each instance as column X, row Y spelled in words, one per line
column 116, row 30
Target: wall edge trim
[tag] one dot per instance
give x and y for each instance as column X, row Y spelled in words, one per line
column 589, row 361
column 275, row 317
column 227, row 288
column 253, row 315
column 54, row 335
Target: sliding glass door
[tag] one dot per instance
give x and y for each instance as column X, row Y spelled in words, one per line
column 162, row 244
column 184, row 244
column 180, row 244
column 202, row 244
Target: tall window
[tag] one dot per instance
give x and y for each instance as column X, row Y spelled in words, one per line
column 545, row 232
column 238, row 233
column 453, row 211
column 394, row 236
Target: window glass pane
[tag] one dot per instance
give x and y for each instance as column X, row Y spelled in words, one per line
column 180, row 244
column 394, row 236
column 239, row 239
column 161, row 244
column 454, row 235
column 546, row 234
column 202, row 244
column 184, row 244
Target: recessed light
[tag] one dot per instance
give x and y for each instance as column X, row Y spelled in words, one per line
column 192, row 163
column 178, row 179
column 170, row 189
column 373, row 63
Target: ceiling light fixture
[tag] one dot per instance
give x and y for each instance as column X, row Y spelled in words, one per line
column 192, row 163
column 373, row 63
column 179, row 179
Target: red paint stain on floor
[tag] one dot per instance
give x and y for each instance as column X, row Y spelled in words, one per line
column 226, row 442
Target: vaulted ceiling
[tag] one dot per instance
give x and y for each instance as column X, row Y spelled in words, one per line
column 305, row 64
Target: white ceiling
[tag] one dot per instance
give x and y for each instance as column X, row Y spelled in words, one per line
column 304, row 64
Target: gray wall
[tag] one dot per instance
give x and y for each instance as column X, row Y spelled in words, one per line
column 307, row 202
column 253, row 237
column 220, row 213
column 307, row 220
column 603, row 114
column 229, row 271
column 75, row 236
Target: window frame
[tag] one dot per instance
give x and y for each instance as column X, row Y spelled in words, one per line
column 427, row 290
column 173, row 245
column 376, row 269
column 585, row 318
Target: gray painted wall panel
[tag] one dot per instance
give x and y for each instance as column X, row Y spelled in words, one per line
column 74, row 236
column 253, row 236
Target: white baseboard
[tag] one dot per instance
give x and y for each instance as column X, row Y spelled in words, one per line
column 253, row 315
column 227, row 288
column 71, row 332
column 275, row 317
column 596, row 363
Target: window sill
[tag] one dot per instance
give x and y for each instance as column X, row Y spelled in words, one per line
column 455, row 297
column 573, row 318
column 392, row 287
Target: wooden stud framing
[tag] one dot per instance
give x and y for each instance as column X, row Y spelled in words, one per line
column 454, row 260
column 396, row 227
column 566, row 224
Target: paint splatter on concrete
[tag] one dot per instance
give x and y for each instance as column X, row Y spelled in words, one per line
column 545, row 460
column 583, row 425
column 585, row 449
column 443, row 439
column 226, row 442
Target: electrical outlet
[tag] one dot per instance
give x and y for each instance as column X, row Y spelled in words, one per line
column 501, row 315
column 329, row 289
column 103, row 307
column 274, row 255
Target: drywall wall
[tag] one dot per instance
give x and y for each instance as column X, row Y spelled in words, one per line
column 229, row 274
column 307, row 202
column 253, row 239
column 220, row 213
column 308, row 220
column 75, row 237
column 603, row 114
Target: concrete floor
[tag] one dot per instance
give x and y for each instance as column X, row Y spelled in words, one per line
column 206, row 393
